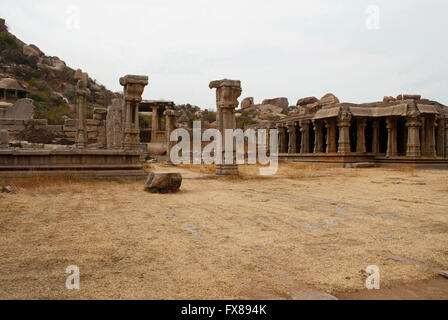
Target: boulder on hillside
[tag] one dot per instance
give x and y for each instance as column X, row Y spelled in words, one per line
column 159, row 182
column 328, row 99
column 280, row 102
column 306, row 101
column 246, row 103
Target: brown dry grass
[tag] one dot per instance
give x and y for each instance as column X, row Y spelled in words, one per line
column 221, row 238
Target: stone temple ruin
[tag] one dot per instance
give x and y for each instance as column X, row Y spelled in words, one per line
column 114, row 151
column 406, row 129
column 402, row 130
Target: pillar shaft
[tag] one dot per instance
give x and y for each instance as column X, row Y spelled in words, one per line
column 391, row 125
column 292, row 131
column 81, row 113
column 318, row 137
column 413, row 143
column 305, row 137
column 361, row 135
column 376, row 136
column 330, row 125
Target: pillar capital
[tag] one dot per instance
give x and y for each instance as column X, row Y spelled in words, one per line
column 413, row 122
column 133, row 87
column 344, row 118
column 227, row 93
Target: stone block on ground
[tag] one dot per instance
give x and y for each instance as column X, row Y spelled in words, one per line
column 163, row 182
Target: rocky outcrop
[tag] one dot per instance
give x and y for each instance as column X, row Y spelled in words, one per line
column 328, row 99
column 246, row 103
column 306, row 101
column 279, row 102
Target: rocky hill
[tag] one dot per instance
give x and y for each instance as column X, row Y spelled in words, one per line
column 50, row 82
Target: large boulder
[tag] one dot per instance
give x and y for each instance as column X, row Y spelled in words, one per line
column 328, row 99
column 162, row 182
column 247, row 102
column 306, row 101
column 279, row 102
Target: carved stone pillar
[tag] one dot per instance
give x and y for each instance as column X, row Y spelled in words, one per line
column 430, row 136
column 81, row 114
column 227, row 94
column 292, row 131
column 170, row 125
column 344, row 120
column 282, row 146
column 361, row 135
column 446, row 138
column 376, row 136
column 133, row 90
column 391, row 125
column 305, row 141
column 318, row 137
column 330, row 125
column 413, row 144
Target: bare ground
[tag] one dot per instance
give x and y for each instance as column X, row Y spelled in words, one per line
column 308, row 227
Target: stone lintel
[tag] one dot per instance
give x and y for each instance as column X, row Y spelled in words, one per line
column 134, row 79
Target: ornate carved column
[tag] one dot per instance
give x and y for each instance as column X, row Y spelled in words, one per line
column 361, row 135
column 330, row 125
column 318, row 137
column 227, row 94
column 81, row 114
column 344, row 120
column 305, row 140
column 391, row 125
column 292, row 131
column 413, row 145
column 133, row 89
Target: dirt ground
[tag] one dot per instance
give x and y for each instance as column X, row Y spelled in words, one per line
column 306, row 228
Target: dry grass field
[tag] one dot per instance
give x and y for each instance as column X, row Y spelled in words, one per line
column 308, row 227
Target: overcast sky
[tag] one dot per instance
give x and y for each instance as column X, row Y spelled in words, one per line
column 359, row 50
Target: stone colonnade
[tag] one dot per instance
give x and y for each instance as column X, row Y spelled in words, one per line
column 417, row 138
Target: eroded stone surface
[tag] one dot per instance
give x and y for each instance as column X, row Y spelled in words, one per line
column 162, row 182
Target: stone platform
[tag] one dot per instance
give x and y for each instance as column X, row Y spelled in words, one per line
column 354, row 159
column 82, row 163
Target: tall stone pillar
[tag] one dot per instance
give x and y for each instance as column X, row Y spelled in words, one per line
column 292, row 131
column 330, row 125
column 133, row 89
column 413, row 145
column 227, row 94
column 376, row 136
column 391, row 125
column 170, row 125
column 318, row 137
column 361, row 135
column 282, row 147
column 81, row 114
column 344, row 120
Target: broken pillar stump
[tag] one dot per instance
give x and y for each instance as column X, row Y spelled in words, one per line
column 163, row 182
